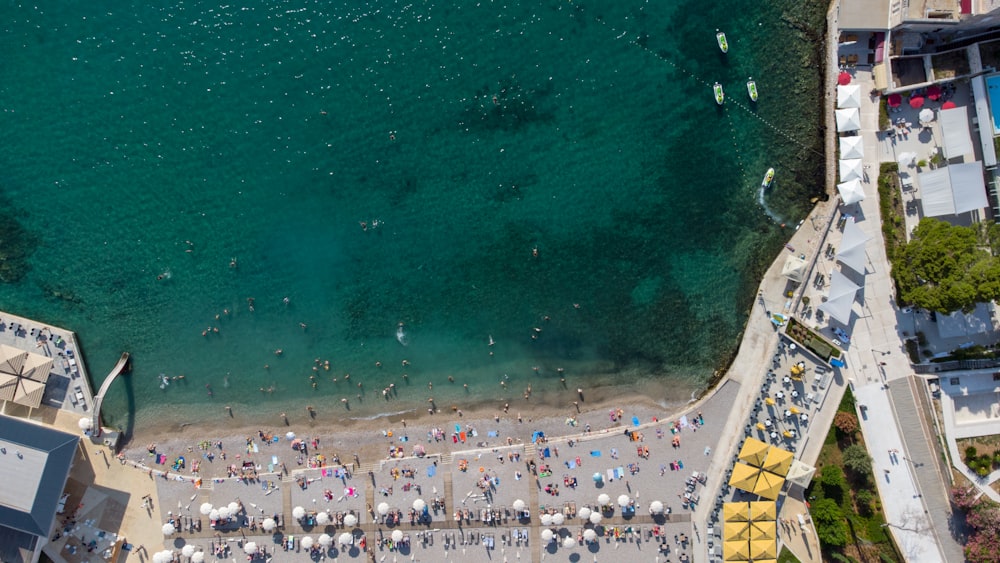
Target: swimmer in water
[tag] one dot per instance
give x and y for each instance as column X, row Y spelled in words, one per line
column 232, row 262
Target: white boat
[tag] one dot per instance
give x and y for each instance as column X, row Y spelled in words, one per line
column 720, row 96
column 723, row 43
column 768, row 178
column 752, row 89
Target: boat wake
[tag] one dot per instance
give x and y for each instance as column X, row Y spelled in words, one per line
column 763, row 204
column 401, row 335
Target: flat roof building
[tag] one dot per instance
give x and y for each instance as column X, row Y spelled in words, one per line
column 35, row 461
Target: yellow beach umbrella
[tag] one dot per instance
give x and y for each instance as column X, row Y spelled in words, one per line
column 763, row 530
column 736, row 531
column 744, row 477
column 763, row 549
column 778, row 460
column 763, row 510
column 768, row 485
column 735, row 512
column 753, row 451
column 736, row 551
column 794, row 410
column 760, row 426
column 769, row 401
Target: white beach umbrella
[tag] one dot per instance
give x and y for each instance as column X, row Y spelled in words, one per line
column 169, row 529
column 623, row 500
column 595, row 518
column 198, row 557
column 225, row 513
column 290, row 435
column 603, row 499
column 584, row 513
column 269, row 524
column 214, row 514
column 569, row 542
column 350, row 520
column 397, row 535
column 926, row 115
column 519, row 505
column 234, row 508
column 589, row 535
column 345, row 539
column 656, row 507
column 250, row 548
column 206, row 508
column 307, row 542
column 325, row 540
column 298, row 513
column 851, row 169
column 547, row 535
column 383, row 508
column 164, row 556
column 187, row 550
column 419, row 504
column 852, row 147
column 323, row 518
column 558, row 519
column 546, row 519
column 85, row 423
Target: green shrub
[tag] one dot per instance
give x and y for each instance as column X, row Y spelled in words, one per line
column 970, row 453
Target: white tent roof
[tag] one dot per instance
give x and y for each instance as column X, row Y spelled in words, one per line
column 841, row 298
column 955, row 125
column 852, row 247
column 848, row 119
column 953, row 189
column 960, row 325
column 849, row 96
column 851, row 192
column 850, row 169
column 852, row 147
column 794, row 268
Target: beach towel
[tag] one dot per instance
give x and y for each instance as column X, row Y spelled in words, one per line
column 327, row 473
column 492, row 434
column 255, row 450
column 270, row 468
column 571, row 464
column 635, row 421
column 461, row 436
column 275, row 440
column 431, row 470
column 474, row 432
column 611, row 474
column 619, row 473
column 458, row 428
column 595, row 453
column 161, row 459
column 684, row 421
column 546, row 453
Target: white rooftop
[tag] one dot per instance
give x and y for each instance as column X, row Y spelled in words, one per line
column 21, row 474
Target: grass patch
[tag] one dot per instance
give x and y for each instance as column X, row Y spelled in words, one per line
column 867, row 540
column 786, row 556
column 883, row 115
column 890, row 202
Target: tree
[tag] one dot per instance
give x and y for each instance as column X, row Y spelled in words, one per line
column 948, row 268
column 846, row 422
column 831, row 478
column 856, row 459
column 830, row 528
column 864, row 498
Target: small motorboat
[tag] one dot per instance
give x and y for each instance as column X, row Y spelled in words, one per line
column 723, row 44
column 720, row 96
column 752, row 89
column 768, row 178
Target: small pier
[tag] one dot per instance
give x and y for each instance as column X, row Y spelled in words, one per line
column 121, row 367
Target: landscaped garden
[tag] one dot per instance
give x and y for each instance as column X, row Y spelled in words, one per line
column 812, row 341
column 844, row 502
column 981, row 454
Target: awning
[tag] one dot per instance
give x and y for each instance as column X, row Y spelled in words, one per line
column 848, row 119
column 851, row 252
column 955, row 126
column 735, row 512
column 849, row 96
column 768, row 485
column 851, row 169
column 851, row 192
column 794, row 268
column 954, row 189
column 753, row 452
column 778, row 461
column 744, row 477
column 852, row 147
column 764, row 509
column 841, row 298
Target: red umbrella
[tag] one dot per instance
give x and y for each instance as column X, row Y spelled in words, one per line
column 844, row 79
column 934, row 92
column 916, row 101
column 948, row 105
column 894, row 100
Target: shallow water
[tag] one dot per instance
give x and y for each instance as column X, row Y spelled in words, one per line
column 554, row 176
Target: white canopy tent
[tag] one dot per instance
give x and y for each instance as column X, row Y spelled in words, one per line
column 851, row 192
column 953, row 189
column 841, row 298
column 852, row 247
column 849, row 96
column 848, row 119
column 794, row 269
column 955, row 126
column 852, row 147
column 851, row 169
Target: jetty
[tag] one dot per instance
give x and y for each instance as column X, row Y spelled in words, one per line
column 121, row 367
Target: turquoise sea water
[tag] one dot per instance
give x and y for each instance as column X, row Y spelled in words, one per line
column 554, row 175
